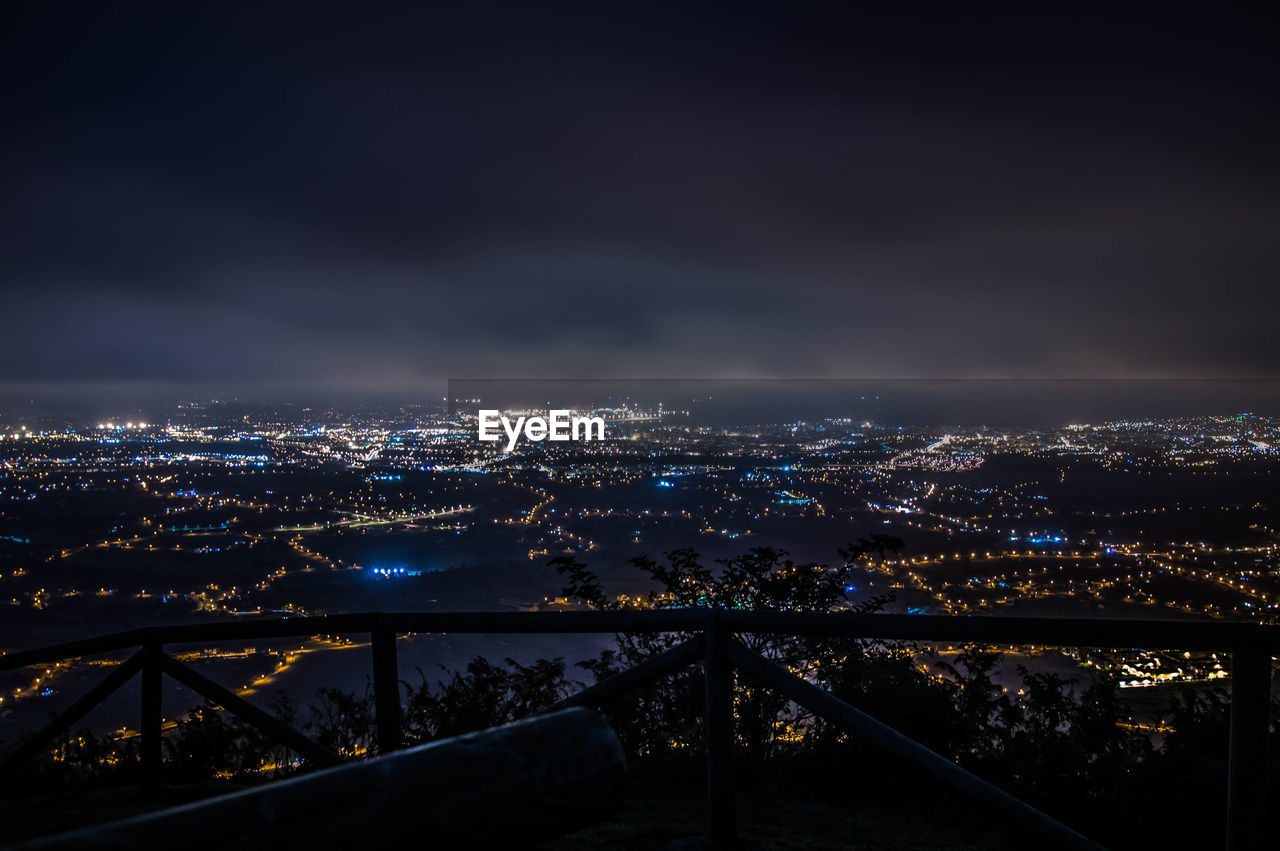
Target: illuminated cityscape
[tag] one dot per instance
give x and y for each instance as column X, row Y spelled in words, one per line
column 643, row 426
column 226, row 510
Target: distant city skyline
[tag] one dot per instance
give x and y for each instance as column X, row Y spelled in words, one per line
column 966, row 403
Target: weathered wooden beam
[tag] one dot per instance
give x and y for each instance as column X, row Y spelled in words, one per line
column 237, row 705
column 1077, row 632
column 503, row 787
column 667, row 620
column 1065, row 632
column 70, row 649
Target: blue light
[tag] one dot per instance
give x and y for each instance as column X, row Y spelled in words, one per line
column 393, row 572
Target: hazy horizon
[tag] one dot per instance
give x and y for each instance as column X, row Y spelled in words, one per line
column 960, row 402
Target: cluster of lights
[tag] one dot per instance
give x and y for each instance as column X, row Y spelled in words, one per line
column 388, row 572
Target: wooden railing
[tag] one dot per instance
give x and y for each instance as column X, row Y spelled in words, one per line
column 714, row 645
column 505, row 787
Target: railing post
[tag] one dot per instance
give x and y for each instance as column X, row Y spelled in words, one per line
column 386, row 690
column 719, row 732
column 1247, row 766
column 152, row 717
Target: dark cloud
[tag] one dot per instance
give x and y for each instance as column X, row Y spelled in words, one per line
column 254, row 197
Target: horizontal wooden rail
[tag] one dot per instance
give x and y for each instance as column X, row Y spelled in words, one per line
column 1074, row 632
column 1063, row 632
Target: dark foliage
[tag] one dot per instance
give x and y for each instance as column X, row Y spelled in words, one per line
column 1071, row 749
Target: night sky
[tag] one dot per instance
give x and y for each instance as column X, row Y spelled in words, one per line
column 266, row 197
